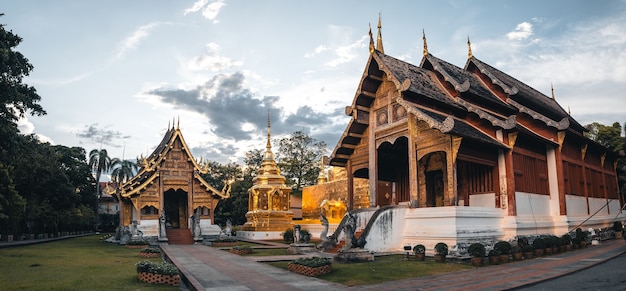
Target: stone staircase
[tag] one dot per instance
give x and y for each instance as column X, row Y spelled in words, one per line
column 179, row 236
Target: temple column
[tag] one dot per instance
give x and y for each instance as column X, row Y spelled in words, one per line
column 553, row 183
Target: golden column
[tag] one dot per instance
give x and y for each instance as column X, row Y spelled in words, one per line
column 268, row 207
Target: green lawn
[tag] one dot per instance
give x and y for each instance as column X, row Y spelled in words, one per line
column 384, row 268
column 84, row 263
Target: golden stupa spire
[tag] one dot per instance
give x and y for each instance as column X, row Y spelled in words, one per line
column 425, row 44
column 371, row 39
column 552, row 86
column 379, row 38
column 469, row 48
column 268, row 147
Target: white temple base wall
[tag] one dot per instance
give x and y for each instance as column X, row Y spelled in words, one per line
column 149, row 227
column 209, row 229
column 260, row 235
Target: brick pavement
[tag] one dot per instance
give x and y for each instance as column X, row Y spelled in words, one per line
column 207, row 268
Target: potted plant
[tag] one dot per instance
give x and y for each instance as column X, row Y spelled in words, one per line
column 158, row 273
column 618, row 227
column 312, row 267
column 477, row 251
column 441, row 251
column 540, row 245
column 516, row 252
column 528, row 251
column 150, row 252
column 504, row 247
column 548, row 244
column 583, row 237
column 494, row 257
column 224, row 242
column 420, row 252
column 567, row 242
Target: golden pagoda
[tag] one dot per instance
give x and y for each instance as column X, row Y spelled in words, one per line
column 268, row 199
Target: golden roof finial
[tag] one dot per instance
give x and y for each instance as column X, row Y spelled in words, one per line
column 552, row 85
column 425, row 44
column 371, row 39
column 178, row 123
column 469, row 48
column 379, row 38
column 269, row 145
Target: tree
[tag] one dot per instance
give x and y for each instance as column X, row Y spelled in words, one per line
column 122, row 170
column 608, row 136
column 297, row 158
column 252, row 161
column 233, row 208
column 99, row 162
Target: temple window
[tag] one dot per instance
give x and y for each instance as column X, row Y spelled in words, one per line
column 149, row 210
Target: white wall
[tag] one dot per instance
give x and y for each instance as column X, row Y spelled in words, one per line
column 483, row 200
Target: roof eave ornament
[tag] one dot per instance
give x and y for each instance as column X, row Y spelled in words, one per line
column 371, row 39
column 425, row 44
column 469, row 48
column 379, row 38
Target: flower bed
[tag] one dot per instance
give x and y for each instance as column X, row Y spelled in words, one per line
column 241, row 250
column 157, row 273
column 309, row 271
column 311, row 267
column 151, row 252
column 173, row 280
column 136, row 246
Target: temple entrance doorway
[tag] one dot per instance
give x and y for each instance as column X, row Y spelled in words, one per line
column 175, row 208
column 434, row 188
column 393, row 172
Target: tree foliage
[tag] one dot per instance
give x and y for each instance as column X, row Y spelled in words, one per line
column 297, row 159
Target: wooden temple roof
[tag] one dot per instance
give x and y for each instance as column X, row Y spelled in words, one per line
column 151, row 166
column 445, row 94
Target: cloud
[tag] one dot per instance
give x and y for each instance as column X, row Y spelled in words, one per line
column 234, row 111
column 26, row 127
column 133, row 40
column 522, row 31
column 94, row 134
column 212, row 61
column 349, row 52
column 318, row 50
column 210, row 11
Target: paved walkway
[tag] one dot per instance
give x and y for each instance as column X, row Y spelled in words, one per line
column 206, row 268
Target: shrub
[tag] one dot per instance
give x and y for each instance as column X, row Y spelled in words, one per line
column 162, row 268
column 539, row 243
column 503, row 246
column 151, row 250
column 312, row 262
column 528, row 248
column 137, row 243
column 494, row 253
column 226, row 239
column 441, row 249
column 567, row 239
column 240, row 248
column 288, row 235
column 516, row 249
column 617, row 226
column 419, row 249
column 476, row 250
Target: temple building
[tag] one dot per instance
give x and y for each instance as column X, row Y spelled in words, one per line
column 168, row 196
column 269, row 210
column 462, row 154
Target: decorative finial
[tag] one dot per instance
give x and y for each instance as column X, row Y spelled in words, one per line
column 269, row 145
column 425, row 44
column 379, row 38
column 469, row 48
column 552, row 86
column 371, row 39
column 178, row 123
column 569, row 112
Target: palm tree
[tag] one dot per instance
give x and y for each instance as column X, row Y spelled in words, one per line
column 123, row 170
column 99, row 162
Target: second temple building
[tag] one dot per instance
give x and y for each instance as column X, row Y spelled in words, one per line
column 455, row 155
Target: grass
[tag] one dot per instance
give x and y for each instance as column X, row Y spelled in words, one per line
column 383, row 269
column 84, row 263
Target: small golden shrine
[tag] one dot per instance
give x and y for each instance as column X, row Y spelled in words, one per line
column 268, row 199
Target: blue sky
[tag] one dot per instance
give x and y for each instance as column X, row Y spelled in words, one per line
column 116, row 73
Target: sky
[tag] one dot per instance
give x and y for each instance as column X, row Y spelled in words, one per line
column 116, row 74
